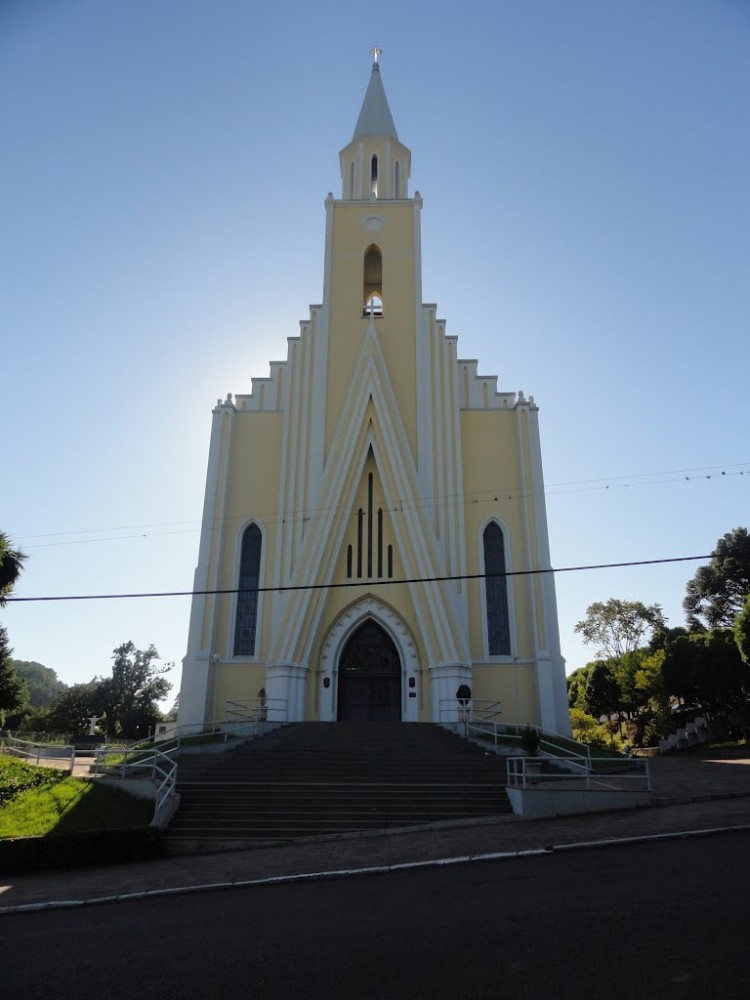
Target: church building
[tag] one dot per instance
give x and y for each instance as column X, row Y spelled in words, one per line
column 374, row 524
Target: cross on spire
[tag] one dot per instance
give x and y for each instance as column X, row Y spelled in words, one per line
column 375, row 52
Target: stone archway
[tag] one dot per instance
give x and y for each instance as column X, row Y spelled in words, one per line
column 334, row 645
column 369, row 677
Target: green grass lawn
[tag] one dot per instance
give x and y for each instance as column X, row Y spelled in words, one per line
column 38, row 801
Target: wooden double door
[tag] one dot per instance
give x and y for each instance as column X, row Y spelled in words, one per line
column 369, row 677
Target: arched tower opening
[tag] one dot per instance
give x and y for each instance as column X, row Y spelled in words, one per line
column 372, row 295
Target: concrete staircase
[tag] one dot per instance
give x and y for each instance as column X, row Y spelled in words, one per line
column 313, row 778
column 695, row 731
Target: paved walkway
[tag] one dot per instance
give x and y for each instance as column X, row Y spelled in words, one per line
column 690, row 793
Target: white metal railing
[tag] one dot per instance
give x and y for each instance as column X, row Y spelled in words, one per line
column 153, row 763
column 483, row 719
column 473, row 710
column 154, row 757
column 39, row 753
column 160, row 767
column 598, row 773
column 262, row 709
column 550, row 744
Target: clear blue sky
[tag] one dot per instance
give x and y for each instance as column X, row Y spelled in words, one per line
column 586, row 234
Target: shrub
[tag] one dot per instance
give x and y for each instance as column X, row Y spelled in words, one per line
column 17, row 776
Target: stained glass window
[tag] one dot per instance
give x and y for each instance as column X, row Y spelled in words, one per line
column 247, row 599
column 496, row 591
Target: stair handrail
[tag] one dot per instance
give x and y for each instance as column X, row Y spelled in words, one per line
column 482, row 725
column 160, row 766
column 262, row 707
column 463, row 709
column 117, row 753
column 187, row 735
column 525, row 772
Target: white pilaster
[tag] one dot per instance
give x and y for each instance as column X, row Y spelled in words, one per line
column 445, row 679
column 287, row 681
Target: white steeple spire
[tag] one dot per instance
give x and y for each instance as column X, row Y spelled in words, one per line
column 375, row 118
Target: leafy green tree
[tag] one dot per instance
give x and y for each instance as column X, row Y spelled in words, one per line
column 44, row 686
column 706, row 668
column 11, row 564
column 661, row 638
column 589, row 730
column 717, row 592
column 625, row 671
column 71, row 712
column 617, row 627
column 130, row 696
column 742, row 631
column 13, row 693
column 654, row 720
column 602, row 694
column 577, row 687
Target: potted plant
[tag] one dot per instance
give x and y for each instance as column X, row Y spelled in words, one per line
column 530, row 741
column 463, row 697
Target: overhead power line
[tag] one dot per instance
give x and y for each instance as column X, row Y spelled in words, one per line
column 496, row 495
column 357, row 583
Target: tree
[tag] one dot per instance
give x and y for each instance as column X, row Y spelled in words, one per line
column 43, row 684
column 130, row 696
column 707, row 668
column 742, row 631
column 717, row 592
column 71, row 712
column 11, row 564
column 13, row 693
column 661, row 638
column 617, row 627
column 577, row 687
column 602, row 694
column 654, row 720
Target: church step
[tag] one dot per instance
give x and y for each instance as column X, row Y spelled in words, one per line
column 336, row 818
column 309, row 778
column 342, row 793
column 242, row 817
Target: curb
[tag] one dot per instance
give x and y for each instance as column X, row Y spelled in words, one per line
column 66, row 904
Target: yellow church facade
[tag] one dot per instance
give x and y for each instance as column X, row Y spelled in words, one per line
column 374, row 532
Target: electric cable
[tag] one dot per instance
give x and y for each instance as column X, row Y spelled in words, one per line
column 367, row 582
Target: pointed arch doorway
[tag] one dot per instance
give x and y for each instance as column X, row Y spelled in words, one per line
column 369, row 675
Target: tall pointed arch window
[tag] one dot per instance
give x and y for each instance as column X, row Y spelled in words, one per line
column 374, row 176
column 373, row 281
column 496, row 591
column 247, row 598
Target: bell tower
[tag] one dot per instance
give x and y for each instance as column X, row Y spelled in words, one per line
column 373, row 258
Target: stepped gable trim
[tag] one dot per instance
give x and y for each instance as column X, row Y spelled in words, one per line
column 418, row 549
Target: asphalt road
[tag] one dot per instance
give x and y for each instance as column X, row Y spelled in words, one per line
column 664, row 920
